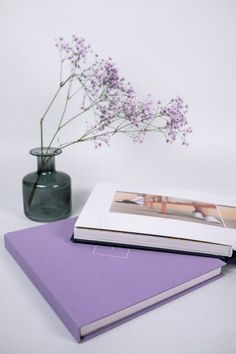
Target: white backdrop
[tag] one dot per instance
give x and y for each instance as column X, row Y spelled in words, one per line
column 165, row 48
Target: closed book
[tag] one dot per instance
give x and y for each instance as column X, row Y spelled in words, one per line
column 94, row 288
column 164, row 219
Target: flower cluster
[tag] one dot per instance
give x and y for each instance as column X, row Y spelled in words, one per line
column 115, row 106
column 74, row 52
column 176, row 122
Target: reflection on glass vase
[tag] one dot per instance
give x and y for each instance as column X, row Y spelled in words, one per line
column 46, row 192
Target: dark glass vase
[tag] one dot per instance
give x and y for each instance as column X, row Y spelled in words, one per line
column 46, row 192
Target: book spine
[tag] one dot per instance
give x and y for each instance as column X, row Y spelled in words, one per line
column 45, row 292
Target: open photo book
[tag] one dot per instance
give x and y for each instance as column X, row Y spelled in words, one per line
column 163, row 219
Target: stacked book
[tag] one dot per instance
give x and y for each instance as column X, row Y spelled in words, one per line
column 132, row 252
column 164, row 220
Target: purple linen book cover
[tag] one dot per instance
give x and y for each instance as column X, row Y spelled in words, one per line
column 84, row 283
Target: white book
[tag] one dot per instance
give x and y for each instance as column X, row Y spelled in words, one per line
column 161, row 219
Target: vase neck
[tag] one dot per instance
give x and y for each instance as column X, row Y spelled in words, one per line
column 46, row 163
column 45, row 158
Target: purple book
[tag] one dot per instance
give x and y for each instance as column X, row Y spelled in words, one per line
column 94, row 288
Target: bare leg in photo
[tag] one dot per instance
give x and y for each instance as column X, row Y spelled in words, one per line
column 164, row 205
column 202, row 213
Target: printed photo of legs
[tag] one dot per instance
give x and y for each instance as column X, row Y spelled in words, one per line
column 172, row 208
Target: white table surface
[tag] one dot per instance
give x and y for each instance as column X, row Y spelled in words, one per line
column 202, row 321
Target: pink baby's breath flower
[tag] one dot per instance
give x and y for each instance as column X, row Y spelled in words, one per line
column 112, row 100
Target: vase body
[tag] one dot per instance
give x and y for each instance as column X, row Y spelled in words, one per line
column 46, row 192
